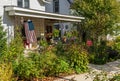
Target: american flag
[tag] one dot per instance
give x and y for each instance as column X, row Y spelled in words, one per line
column 30, row 35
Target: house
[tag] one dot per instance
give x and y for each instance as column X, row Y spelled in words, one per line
column 61, row 7
column 15, row 12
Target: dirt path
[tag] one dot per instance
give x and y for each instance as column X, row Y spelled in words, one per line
column 110, row 68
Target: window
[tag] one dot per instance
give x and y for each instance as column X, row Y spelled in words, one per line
column 26, row 3
column 20, row 3
column 23, row 3
column 66, row 27
column 56, row 6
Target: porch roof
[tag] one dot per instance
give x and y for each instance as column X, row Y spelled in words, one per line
column 17, row 11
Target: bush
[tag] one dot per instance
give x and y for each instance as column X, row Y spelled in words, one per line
column 43, row 43
column 115, row 78
column 74, row 55
column 50, row 64
column 6, row 73
column 99, row 54
column 112, row 54
column 77, row 58
column 44, row 62
column 60, row 50
column 56, row 33
column 3, row 40
column 61, row 67
column 26, row 69
column 117, row 44
column 15, row 49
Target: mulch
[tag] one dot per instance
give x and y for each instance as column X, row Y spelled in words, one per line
column 48, row 79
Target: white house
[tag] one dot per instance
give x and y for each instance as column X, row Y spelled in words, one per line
column 14, row 12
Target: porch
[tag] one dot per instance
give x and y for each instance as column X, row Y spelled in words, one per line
column 43, row 21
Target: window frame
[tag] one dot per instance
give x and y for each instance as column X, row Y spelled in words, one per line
column 56, row 8
column 20, row 3
column 28, row 4
column 23, row 3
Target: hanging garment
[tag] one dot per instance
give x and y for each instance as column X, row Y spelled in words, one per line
column 31, row 26
column 32, row 37
column 32, row 34
column 27, row 32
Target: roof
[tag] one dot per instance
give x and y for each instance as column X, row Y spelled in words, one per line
column 17, row 11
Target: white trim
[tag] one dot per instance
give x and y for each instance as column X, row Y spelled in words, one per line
column 46, row 1
column 46, row 17
column 40, row 14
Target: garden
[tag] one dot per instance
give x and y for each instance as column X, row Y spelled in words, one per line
column 53, row 61
column 88, row 44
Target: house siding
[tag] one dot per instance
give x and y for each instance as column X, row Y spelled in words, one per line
column 35, row 4
column 7, row 21
column 64, row 6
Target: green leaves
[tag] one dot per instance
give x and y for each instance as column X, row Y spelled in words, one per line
column 3, row 39
column 78, row 58
column 6, row 72
column 56, row 33
column 26, row 69
column 14, row 50
column 100, row 16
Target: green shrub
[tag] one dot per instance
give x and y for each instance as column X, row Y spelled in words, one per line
column 91, row 57
column 104, row 53
column 61, row 66
column 49, row 64
column 78, row 59
column 60, row 50
column 11, row 52
column 15, row 49
column 6, row 73
column 26, row 69
column 3, row 40
column 74, row 55
column 56, row 33
column 115, row 78
column 44, row 62
column 99, row 54
column 43, row 43
column 116, row 46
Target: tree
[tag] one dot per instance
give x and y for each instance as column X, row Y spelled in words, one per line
column 100, row 16
column 2, row 39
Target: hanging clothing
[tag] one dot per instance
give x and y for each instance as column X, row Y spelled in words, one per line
column 32, row 35
column 27, row 32
column 31, row 26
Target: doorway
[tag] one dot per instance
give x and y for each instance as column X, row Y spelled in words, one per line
column 48, row 33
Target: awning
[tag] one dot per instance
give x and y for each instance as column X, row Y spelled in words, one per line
column 17, row 11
